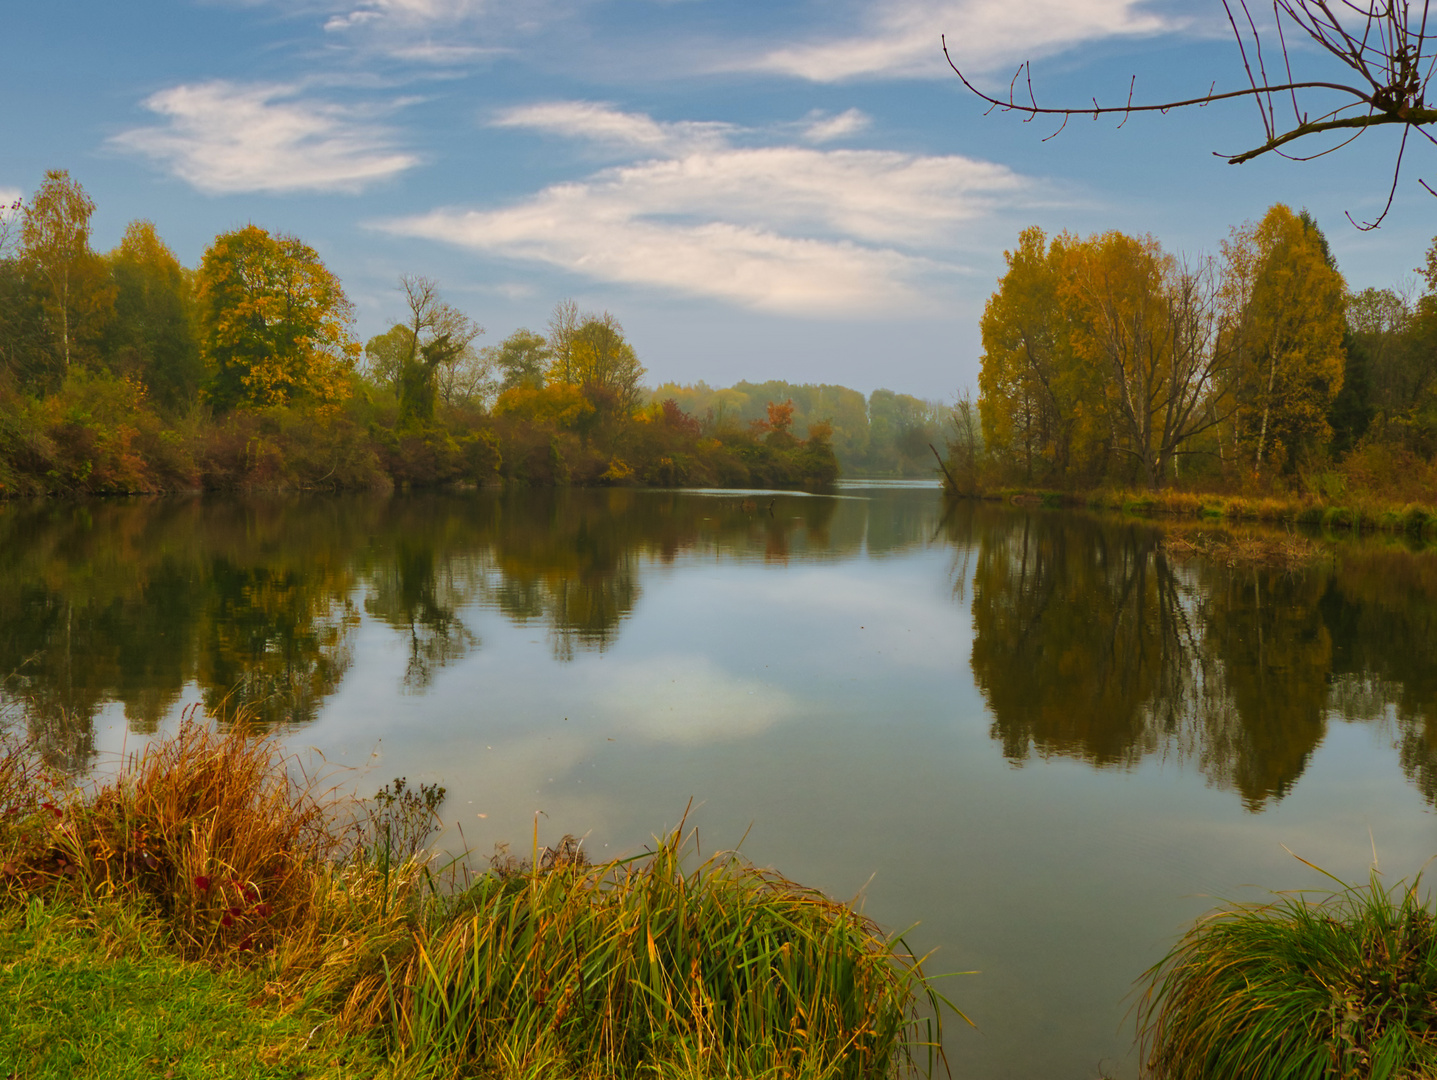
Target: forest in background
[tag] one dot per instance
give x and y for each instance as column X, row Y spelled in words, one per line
column 1109, row 362
column 125, row 371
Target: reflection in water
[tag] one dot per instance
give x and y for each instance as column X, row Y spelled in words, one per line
column 1090, row 643
column 255, row 603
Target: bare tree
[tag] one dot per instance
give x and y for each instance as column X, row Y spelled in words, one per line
column 438, row 338
column 1382, row 44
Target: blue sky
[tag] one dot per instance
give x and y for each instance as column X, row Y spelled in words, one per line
column 790, row 189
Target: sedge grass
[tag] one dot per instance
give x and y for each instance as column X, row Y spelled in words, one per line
column 557, row 969
column 639, row 965
column 1342, row 987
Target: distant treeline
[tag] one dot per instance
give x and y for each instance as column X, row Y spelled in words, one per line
column 128, row 372
column 1110, row 362
column 884, row 435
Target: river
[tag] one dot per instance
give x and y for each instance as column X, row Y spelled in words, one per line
column 1027, row 734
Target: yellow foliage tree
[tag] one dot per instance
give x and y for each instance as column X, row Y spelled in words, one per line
column 1287, row 302
column 274, row 322
column 1029, row 388
column 1150, row 330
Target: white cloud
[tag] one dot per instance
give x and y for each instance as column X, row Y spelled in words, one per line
column 688, row 699
column 821, row 129
column 782, row 228
column 599, row 122
column 8, row 197
column 900, row 38
column 224, row 138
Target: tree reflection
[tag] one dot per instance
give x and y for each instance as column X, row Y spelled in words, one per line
column 1090, row 643
column 253, row 604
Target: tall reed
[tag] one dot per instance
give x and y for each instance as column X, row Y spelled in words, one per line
column 637, row 965
column 1345, row 987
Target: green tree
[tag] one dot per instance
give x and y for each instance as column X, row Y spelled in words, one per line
column 153, row 336
column 521, row 359
column 274, row 323
column 437, row 338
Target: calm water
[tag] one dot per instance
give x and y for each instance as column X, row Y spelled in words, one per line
column 1025, row 731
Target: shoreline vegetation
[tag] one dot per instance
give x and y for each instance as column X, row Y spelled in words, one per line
column 209, row 886
column 1250, row 387
column 126, row 372
column 1285, row 533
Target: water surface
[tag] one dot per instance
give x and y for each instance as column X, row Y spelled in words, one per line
column 1028, row 732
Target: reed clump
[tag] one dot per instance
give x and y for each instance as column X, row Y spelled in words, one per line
column 552, row 967
column 639, row 965
column 1342, row 987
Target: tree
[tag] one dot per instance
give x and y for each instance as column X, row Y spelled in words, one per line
column 1384, row 46
column 521, row 359
column 384, row 355
column 152, row 336
column 1151, row 328
column 274, row 322
column 1029, row 384
column 55, row 249
column 589, row 351
column 602, row 359
column 563, row 324
column 1287, row 302
column 435, row 338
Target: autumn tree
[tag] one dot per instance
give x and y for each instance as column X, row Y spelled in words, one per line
column 589, row 350
column 1151, row 329
column 1029, row 384
column 274, row 322
column 1287, row 304
column 152, row 336
column 563, row 325
column 55, row 251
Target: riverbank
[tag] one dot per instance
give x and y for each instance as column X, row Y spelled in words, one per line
column 319, row 939
column 1366, row 514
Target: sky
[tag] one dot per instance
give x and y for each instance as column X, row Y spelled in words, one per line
column 789, row 189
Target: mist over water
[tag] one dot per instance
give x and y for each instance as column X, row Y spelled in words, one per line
column 1029, row 732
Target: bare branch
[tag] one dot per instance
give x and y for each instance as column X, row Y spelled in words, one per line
column 1383, row 43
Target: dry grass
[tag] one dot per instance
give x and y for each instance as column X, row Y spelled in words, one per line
column 1283, row 551
column 554, row 968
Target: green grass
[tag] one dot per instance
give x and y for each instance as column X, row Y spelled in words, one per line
column 204, row 914
column 1343, row 987
column 643, row 966
column 100, row 995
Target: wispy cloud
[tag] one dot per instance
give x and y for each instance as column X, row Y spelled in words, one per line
column 900, row 38
column 780, row 228
column 225, row 138
column 819, row 128
column 599, row 122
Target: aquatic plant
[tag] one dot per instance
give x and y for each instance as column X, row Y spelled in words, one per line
column 1341, row 986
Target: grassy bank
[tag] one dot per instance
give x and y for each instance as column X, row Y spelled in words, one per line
column 1368, row 513
column 207, row 914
